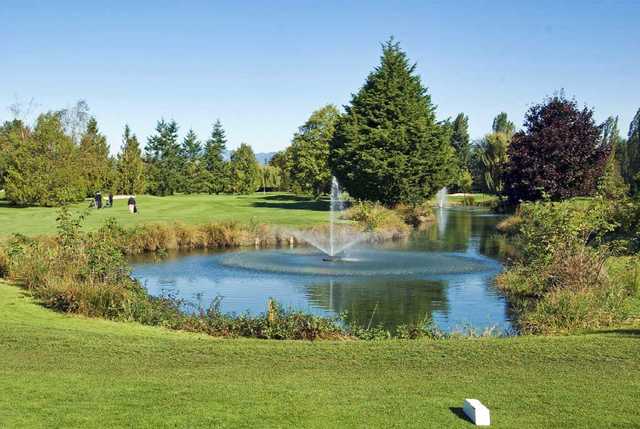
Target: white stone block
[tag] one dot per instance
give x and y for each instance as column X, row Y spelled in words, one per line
column 478, row 413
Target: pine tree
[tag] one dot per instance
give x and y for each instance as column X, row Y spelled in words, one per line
column 130, row 167
column 244, row 170
column 214, row 159
column 388, row 146
column 195, row 177
column 44, row 165
column 191, row 146
column 94, row 157
column 460, row 140
column 309, row 152
column 164, row 157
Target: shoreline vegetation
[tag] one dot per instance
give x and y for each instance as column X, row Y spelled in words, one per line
column 86, row 272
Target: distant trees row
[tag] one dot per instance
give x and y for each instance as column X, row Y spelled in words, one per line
column 63, row 158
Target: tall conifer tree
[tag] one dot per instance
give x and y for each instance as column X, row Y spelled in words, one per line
column 130, row 177
column 214, row 158
column 388, row 146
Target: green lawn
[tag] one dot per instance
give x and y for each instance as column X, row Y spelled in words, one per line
column 270, row 208
column 65, row 371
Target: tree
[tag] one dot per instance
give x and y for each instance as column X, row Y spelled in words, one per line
column 244, row 170
column 191, row 146
column 308, row 162
column 269, row 177
column 388, row 146
column 195, row 177
column 44, row 165
column 75, row 120
column 558, row 154
column 163, row 155
column 502, row 124
column 612, row 185
column 493, row 154
column 460, row 140
column 631, row 168
column 214, row 159
column 280, row 160
column 130, row 167
column 11, row 133
column 94, row 157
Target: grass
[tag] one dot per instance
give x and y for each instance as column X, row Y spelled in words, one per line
column 275, row 208
column 65, row 371
column 270, row 208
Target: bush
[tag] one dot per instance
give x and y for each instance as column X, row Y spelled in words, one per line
column 561, row 281
column 374, row 217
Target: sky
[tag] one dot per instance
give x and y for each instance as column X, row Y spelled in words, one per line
column 262, row 67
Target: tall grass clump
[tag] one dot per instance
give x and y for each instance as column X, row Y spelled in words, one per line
column 561, row 281
column 376, row 218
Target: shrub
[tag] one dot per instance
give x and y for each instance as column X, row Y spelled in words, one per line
column 374, row 217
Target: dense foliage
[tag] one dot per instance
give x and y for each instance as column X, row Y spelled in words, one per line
column 558, row 155
column 130, row 167
column 43, row 163
column 308, row 155
column 214, row 159
column 565, row 277
column 388, row 146
column 244, row 170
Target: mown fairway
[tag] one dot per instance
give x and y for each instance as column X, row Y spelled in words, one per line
column 270, row 208
column 64, row 371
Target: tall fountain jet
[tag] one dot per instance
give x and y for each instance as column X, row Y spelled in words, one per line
column 340, row 236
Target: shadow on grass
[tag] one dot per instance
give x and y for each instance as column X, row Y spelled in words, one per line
column 458, row 411
column 620, row 332
column 292, row 202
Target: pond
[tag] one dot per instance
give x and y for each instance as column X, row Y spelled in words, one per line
column 444, row 272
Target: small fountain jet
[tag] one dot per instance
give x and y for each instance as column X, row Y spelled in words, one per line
column 340, row 237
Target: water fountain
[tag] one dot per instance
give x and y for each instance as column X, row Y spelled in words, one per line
column 339, row 237
column 442, row 214
column 441, row 198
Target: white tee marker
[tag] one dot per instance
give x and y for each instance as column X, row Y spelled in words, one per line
column 478, row 413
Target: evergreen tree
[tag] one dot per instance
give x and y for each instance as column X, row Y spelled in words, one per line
column 632, row 171
column 191, row 146
column 195, row 177
column 388, row 146
column 309, row 152
column 244, row 170
column 460, row 140
column 130, row 167
column 502, row 124
column 44, row 165
column 94, row 157
column 214, row 159
column 558, row 155
column 165, row 163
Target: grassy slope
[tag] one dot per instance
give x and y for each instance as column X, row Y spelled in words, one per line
column 67, row 371
column 272, row 208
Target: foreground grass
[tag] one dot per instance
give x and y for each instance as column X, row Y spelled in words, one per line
column 63, row 371
column 270, row 208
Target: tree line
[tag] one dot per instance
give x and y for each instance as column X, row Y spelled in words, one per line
column 63, row 157
column 387, row 145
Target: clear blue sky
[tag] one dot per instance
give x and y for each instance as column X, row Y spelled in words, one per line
column 262, row 67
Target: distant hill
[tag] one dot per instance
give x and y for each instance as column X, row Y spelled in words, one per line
column 262, row 157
